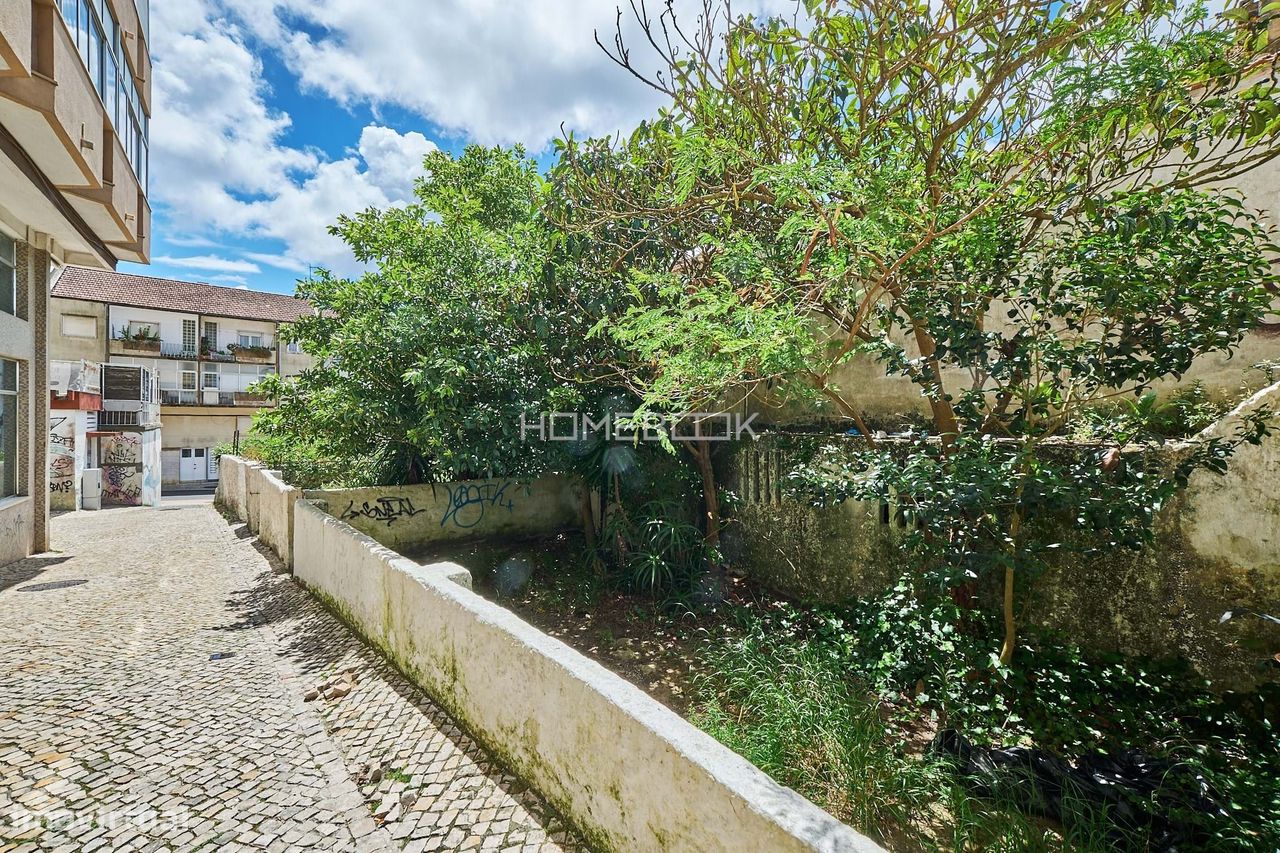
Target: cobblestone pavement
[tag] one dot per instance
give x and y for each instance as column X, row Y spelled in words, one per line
column 119, row 730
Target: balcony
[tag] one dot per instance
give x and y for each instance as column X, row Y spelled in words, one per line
column 210, row 397
column 54, row 111
column 75, row 377
column 122, row 343
column 141, row 419
column 129, row 395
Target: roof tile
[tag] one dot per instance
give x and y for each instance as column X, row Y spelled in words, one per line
column 141, row 291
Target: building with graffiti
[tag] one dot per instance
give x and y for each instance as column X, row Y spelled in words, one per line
column 104, row 420
column 207, row 347
column 75, row 101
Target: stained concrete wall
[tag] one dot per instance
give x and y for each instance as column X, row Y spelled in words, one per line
column 1217, row 548
column 408, row 517
column 629, row 773
column 232, row 486
column 253, row 496
column 16, row 525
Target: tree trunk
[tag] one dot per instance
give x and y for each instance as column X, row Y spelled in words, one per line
column 944, row 414
column 1010, row 626
column 589, row 527
column 710, row 495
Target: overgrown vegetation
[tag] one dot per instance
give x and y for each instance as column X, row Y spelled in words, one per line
column 1023, row 209
column 841, row 703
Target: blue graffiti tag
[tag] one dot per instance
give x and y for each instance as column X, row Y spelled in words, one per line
column 475, row 499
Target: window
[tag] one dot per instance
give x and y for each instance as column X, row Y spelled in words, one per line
column 188, row 335
column 250, row 339
column 8, row 275
column 295, row 348
column 8, row 428
column 211, row 336
column 210, row 377
column 78, row 326
column 139, row 330
column 97, row 36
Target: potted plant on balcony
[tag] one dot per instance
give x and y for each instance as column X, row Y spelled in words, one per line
column 144, row 339
column 251, row 353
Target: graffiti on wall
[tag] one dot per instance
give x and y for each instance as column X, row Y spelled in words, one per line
column 386, row 510
column 62, row 462
column 122, row 469
column 468, row 502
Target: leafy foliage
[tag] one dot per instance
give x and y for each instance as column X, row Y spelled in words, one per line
column 425, row 365
column 1006, row 203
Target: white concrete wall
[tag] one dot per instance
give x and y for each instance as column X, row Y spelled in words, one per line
column 253, row 496
column 229, row 330
column 17, row 526
column 275, row 514
column 167, row 323
column 628, row 772
column 231, row 491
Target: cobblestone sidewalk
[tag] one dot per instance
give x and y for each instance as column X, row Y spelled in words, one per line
column 160, row 706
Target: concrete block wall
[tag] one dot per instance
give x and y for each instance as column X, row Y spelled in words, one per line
column 629, row 773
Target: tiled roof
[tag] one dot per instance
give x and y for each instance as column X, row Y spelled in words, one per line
column 164, row 294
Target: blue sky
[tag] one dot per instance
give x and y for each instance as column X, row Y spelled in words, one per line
column 271, row 118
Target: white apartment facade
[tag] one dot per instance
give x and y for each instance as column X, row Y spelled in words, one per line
column 207, row 346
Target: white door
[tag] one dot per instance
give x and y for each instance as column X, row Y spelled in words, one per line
column 192, row 466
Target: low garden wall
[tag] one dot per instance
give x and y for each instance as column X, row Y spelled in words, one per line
column 262, row 499
column 232, row 486
column 275, row 513
column 409, row 517
column 1217, row 549
column 626, row 771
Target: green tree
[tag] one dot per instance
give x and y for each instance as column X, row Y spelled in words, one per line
column 1011, row 203
column 426, row 363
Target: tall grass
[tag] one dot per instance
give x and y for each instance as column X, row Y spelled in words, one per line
column 788, row 704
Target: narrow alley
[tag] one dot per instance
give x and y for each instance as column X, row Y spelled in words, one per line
column 154, row 677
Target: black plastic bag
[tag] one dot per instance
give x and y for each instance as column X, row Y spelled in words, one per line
column 1140, row 797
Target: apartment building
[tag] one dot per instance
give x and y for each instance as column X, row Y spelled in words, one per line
column 206, row 345
column 75, row 96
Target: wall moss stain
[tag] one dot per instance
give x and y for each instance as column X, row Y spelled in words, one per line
column 1165, row 601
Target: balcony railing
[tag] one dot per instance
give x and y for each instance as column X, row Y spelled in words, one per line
column 264, row 354
column 148, row 416
column 174, row 397
column 135, row 346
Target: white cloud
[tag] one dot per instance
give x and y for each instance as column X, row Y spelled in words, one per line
column 209, row 262
column 283, row 262
column 239, row 281
column 222, row 170
column 493, row 71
